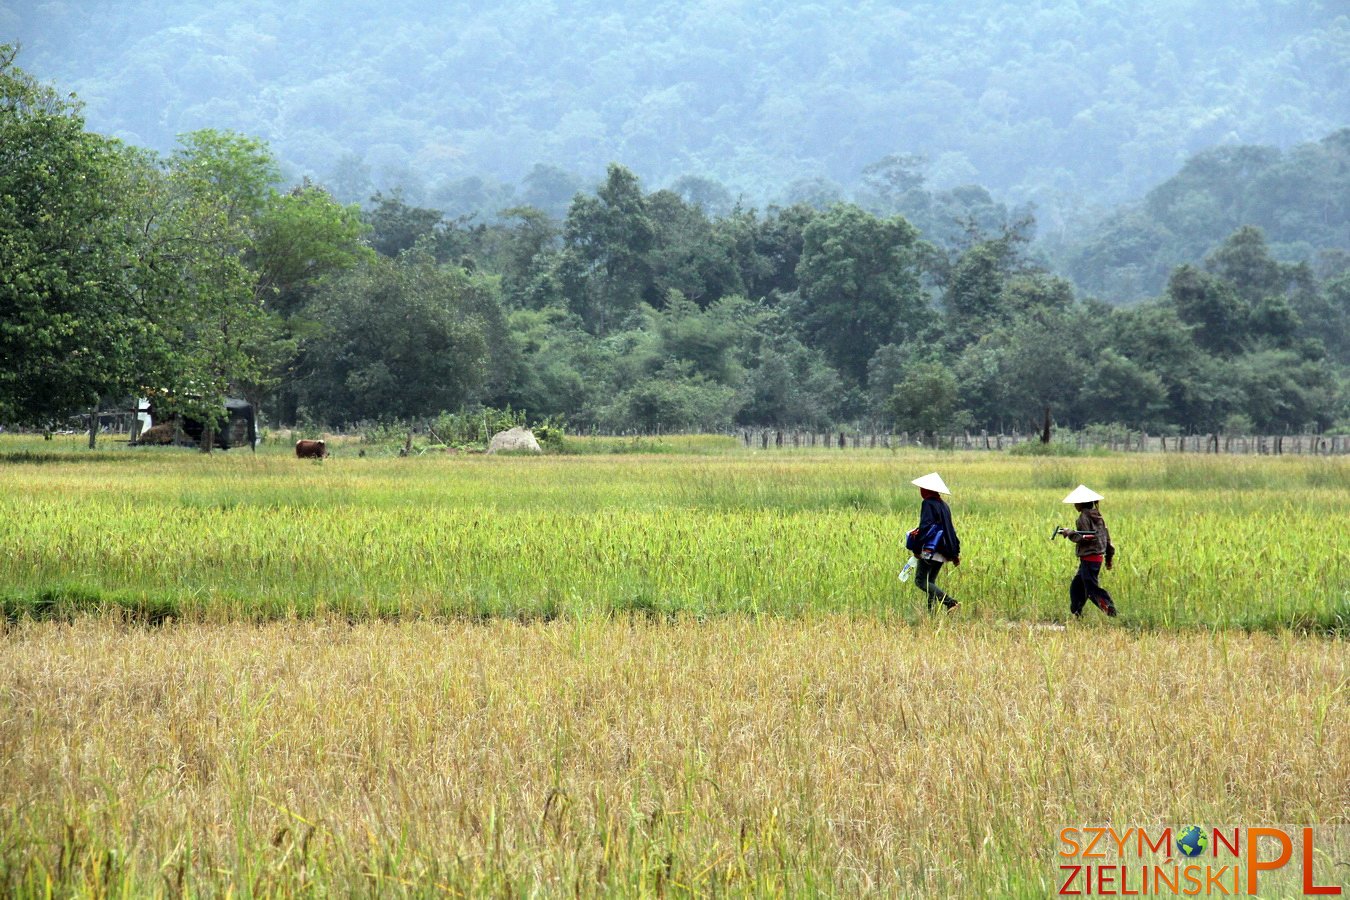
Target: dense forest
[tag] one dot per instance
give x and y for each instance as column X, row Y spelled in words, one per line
column 199, row 273
column 1073, row 106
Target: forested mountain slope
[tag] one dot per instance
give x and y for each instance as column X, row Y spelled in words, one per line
column 1300, row 199
column 1068, row 103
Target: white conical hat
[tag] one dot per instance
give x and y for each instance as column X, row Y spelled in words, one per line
column 933, row 482
column 1083, row 494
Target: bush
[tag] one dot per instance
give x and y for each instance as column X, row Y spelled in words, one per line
column 550, row 435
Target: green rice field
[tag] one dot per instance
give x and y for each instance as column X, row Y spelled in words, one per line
column 1202, row 541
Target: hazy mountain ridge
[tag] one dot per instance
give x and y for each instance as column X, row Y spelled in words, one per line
column 1066, row 103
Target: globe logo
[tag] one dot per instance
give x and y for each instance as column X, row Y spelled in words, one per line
column 1192, row 842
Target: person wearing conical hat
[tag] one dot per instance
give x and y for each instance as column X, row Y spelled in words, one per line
column 934, row 542
column 1093, row 544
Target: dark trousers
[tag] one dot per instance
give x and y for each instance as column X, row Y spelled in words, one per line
column 925, row 579
column 1084, row 587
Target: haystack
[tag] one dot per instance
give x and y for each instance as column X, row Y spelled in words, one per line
column 515, row 440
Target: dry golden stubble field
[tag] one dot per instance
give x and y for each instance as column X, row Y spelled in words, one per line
column 625, row 755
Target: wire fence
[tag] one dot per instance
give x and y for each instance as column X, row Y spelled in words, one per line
column 1126, row 441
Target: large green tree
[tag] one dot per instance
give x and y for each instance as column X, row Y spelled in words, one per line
column 927, row 400
column 200, row 214
column 300, row 238
column 607, row 238
column 859, row 285
column 72, row 324
column 399, row 338
column 234, row 262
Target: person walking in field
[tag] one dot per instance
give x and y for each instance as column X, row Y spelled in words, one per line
column 1093, row 544
column 934, row 542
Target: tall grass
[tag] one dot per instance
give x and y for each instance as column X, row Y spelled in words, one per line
column 833, row 755
column 1210, row 542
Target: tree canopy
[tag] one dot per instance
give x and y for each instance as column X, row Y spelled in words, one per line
column 71, row 319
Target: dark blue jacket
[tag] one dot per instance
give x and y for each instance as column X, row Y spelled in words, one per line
column 936, row 514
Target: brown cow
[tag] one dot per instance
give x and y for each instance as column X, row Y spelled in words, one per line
column 310, row 450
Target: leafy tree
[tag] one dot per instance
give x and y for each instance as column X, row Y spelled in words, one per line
column 708, row 196
column 674, row 399
column 1126, row 257
column 1029, row 292
column 817, row 193
column 232, row 261
column 200, row 215
column 985, row 390
column 563, row 370
column 1274, row 324
column 1331, row 316
column 300, row 238
column 767, row 251
column 1280, row 391
column 1199, row 388
column 1119, row 390
column 72, row 325
column 1212, row 307
column 550, row 189
column 624, row 358
column 792, row 385
column 894, row 185
column 708, row 341
column 530, row 243
column 859, row 285
column 400, row 338
column 396, row 226
column 1043, row 366
column 1220, row 174
column 607, row 237
column 974, row 298
column 954, row 215
column 349, row 179
column 927, row 400
column 686, row 256
column 887, row 368
column 1244, row 262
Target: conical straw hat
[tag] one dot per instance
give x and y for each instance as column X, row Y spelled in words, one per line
column 1083, row 494
column 933, row 482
